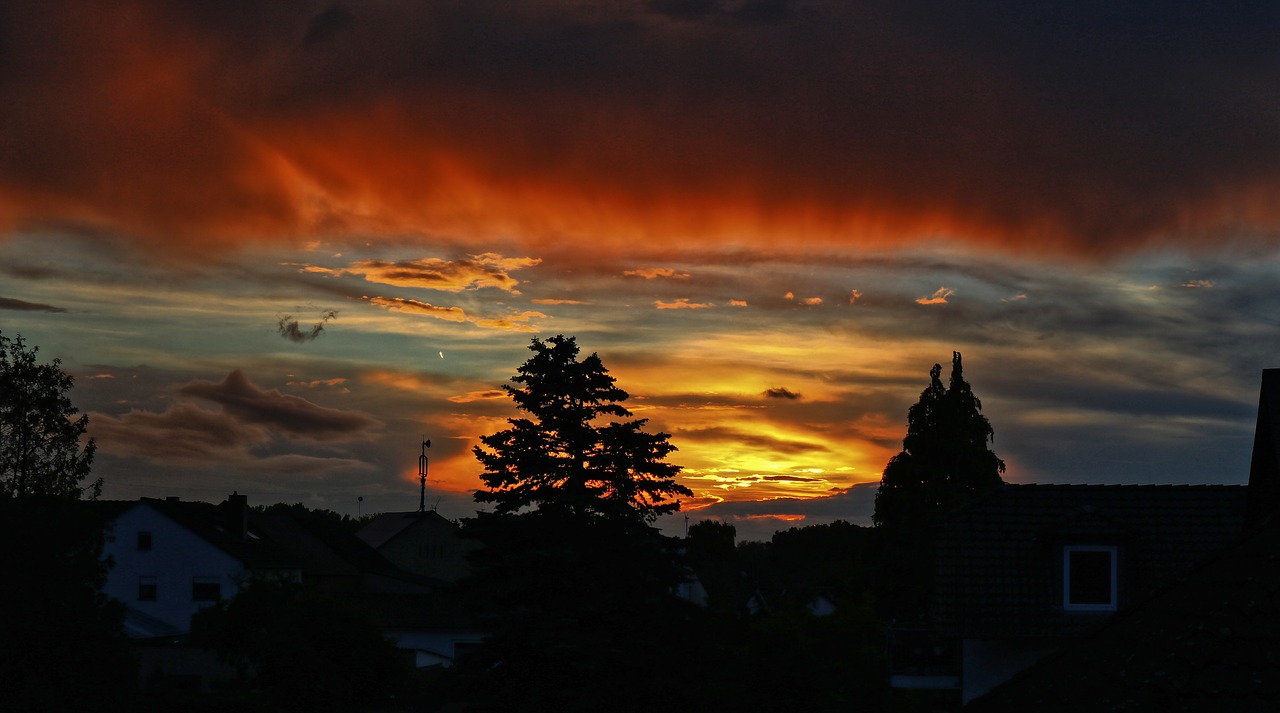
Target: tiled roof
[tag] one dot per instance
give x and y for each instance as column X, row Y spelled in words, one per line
column 999, row 560
column 1211, row 642
column 215, row 524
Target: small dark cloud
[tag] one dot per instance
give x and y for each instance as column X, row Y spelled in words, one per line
column 23, row 306
column 790, row 479
column 31, row 272
column 290, row 329
column 325, row 26
column 685, row 9
column 753, row 12
column 780, row 392
column 763, row 12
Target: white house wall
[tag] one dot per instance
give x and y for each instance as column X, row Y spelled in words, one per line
column 177, row 556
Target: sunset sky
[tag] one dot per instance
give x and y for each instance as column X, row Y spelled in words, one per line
column 277, row 243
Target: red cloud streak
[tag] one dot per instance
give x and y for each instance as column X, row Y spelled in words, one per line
column 190, row 126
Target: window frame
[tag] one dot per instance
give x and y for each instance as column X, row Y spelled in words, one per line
column 147, row 585
column 198, row 582
column 1114, row 602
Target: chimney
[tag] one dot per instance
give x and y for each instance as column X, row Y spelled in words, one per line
column 238, row 515
column 1264, row 469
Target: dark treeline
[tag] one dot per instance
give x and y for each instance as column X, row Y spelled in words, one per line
column 586, row 605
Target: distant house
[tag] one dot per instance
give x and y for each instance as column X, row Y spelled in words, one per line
column 424, row 543
column 171, row 558
column 1030, row 570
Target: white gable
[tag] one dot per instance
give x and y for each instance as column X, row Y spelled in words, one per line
column 163, row 572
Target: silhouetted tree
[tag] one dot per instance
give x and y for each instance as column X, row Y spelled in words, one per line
column 40, row 451
column 299, row 649
column 573, row 582
column 564, row 458
column 945, row 460
column 62, row 641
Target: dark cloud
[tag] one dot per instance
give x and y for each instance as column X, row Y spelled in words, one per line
column 183, row 432
column 23, row 306
column 781, row 392
column 749, row 12
column 327, row 24
column 732, row 435
column 1088, row 127
column 291, row 415
column 193, row 436
column 289, row 328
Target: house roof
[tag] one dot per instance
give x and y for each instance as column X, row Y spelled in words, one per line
column 1208, row 642
column 275, row 541
column 325, row 551
column 999, row 560
column 387, row 526
column 216, row 525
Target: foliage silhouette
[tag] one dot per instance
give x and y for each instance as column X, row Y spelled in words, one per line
column 572, row 580
column 40, row 451
column 945, row 460
column 299, row 649
column 63, row 643
column 564, row 458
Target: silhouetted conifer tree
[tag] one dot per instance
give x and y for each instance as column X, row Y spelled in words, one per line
column 945, row 459
column 945, row 462
column 564, row 458
column 573, row 583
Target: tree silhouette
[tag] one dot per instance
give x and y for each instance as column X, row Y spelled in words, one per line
column 572, row 581
column 303, row 649
column 40, row 452
column 563, row 458
column 945, row 460
column 64, row 646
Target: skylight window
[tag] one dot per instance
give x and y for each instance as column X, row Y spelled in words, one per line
column 1089, row 578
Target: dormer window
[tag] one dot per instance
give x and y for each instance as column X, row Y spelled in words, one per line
column 1089, row 578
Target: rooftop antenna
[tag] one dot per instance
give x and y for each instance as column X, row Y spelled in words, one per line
column 422, row 474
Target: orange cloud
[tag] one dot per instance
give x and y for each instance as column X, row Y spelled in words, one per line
column 400, row 304
column 472, row 396
column 650, row 273
column 515, row 322
column 681, row 303
column 939, row 297
column 487, row 270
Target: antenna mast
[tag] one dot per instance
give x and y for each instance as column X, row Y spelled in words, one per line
column 422, row 474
